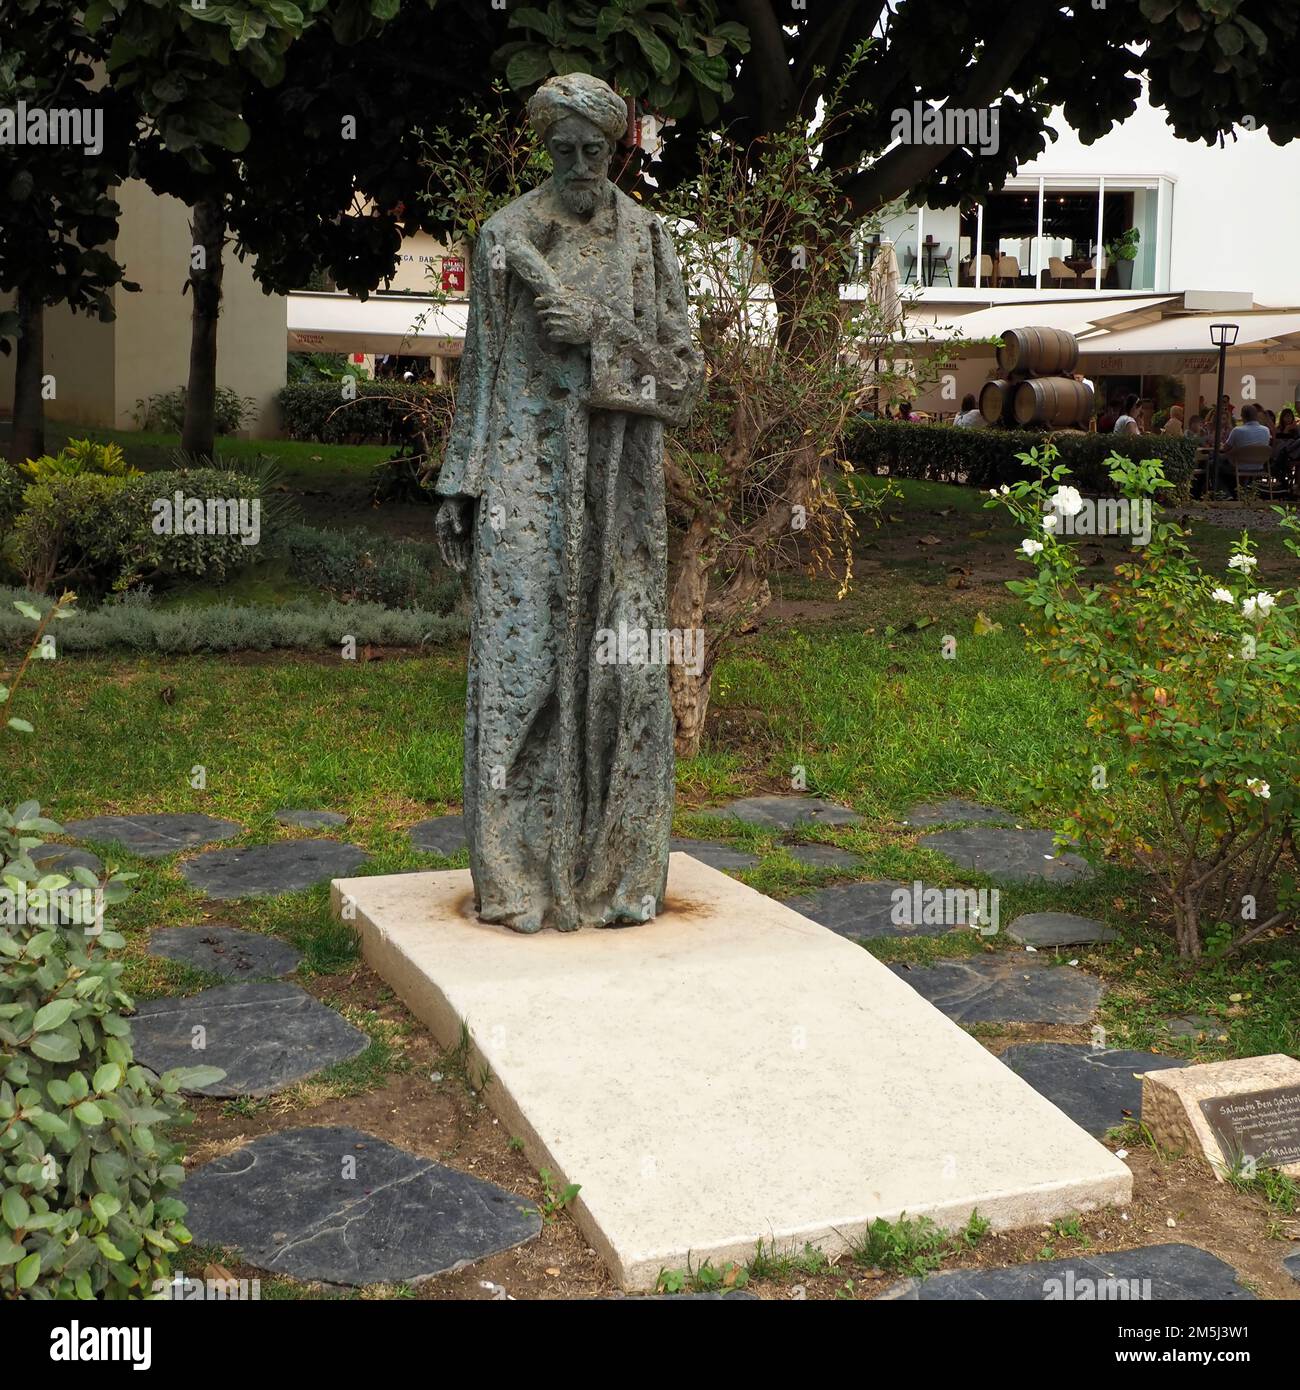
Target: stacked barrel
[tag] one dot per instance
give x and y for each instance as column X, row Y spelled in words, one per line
column 1035, row 385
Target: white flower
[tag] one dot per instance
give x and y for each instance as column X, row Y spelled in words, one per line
column 1031, row 547
column 1257, row 605
column 1050, row 521
column 1223, row 596
column 1005, row 490
column 993, row 492
column 1259, row 787
column 1243, row 562
column 1067, row 501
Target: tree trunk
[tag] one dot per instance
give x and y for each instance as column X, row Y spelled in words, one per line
column 686, row 600
column 29, row 368
column 209, row 233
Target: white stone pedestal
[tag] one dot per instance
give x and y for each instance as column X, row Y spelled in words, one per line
column 728, row 1073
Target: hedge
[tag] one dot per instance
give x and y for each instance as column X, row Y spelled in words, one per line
column 135, row 623
column 380, row 413
column 356, row 566
column 986, row 457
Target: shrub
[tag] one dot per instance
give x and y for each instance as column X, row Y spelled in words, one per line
column 87, row 1175
column 12, row 487
column 79, row 457
column 990, row 457
column 383, row 412
column 99, row 533
column 165, row 412
column 353, row 565
column 133, row 622
column 1188, row 760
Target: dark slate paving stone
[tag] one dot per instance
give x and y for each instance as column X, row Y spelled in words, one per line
column 956, row 809
column 785, row 812
column 225, row 951
column 1193, row 1025
column 260, row 871
column 1005, row 989
column 1016, row 856
column 311, row 820
column 443, row 835
column 1058, row 929
column 862, row 910
column 1181, row 1272
column 154, row 837
column 285, row 1203
column 1093, row 1086
column 715, row 855
column 1292, row 1266
column 60, row 859
column 263, row 1036
column 823, row 856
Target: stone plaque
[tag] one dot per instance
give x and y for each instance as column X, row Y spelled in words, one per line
column 1259, row 1125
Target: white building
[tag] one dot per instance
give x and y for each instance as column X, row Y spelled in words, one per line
column 1212, row 234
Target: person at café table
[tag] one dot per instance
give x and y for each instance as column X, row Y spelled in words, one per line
column 1126, row 422
column 1174, row 424
column 1252, row 430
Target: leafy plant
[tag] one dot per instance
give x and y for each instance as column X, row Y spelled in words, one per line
column 87, row 1174
column 165, row 412
column 78, row 458
column 380, row 412
column 1191, row 686
column 1124, row 247
column 554, row 1199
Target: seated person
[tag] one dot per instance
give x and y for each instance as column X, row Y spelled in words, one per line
column 1252, row 430
column 1126, row 422
column 969, row 414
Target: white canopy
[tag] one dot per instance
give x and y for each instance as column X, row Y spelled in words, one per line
column 412, row 325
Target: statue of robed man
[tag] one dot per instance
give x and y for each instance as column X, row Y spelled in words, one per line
column 578, row 351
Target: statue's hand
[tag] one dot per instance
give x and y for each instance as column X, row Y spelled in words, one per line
column 566, row 321
column 453, row 527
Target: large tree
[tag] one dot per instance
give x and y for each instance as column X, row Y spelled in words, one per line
column 57, row 215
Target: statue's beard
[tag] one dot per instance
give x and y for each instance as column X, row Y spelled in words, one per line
column 579, row 200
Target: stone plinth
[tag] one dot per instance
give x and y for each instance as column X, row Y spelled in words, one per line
column 1258, row 1097
column 728, row 1073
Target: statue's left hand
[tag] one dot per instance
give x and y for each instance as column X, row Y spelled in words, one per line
column 566, row 321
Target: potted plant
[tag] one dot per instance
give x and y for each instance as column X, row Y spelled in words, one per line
column 1122, row 252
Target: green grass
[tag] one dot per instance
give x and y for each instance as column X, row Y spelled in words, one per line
column 302, row 462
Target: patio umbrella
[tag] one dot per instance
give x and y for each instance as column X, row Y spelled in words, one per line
column 884, row 289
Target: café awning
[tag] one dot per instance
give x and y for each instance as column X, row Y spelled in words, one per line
column 1180, row 344
column 412, row 325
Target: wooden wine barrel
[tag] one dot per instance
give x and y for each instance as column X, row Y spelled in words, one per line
column 1054, row 401
column 1037, row 351
column 995, row 402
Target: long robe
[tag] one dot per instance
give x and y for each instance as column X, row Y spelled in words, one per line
column 568, row 781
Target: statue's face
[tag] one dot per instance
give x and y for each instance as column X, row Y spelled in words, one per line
column 581, row 153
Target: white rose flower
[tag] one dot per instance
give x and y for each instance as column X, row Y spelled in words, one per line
column 1005, row 490
column 1223, row 596
column 1259, row 787
column 1243, row 562
column 1067, row 501
column 1050, row 521
column 1264, row 602
column 1257, row 605
column 1031, row 547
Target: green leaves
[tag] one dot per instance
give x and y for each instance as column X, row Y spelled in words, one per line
column 54, row 1015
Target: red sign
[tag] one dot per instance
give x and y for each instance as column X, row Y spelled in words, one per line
column 453, row 273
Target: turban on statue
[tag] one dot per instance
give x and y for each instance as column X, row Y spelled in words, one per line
column 578, row 94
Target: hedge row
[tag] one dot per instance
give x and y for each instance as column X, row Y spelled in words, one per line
column 987, row 457
column 357, row 567
column 134, row 623
column 381, row 412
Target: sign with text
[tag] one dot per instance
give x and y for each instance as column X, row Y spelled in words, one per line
column 1259, row 1125
column 453, row 273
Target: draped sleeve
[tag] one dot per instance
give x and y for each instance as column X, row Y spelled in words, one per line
column 649, row 366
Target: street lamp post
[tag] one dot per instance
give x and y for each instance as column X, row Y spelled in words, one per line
column 1222, row 335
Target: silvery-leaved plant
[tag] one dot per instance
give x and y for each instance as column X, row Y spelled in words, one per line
column 1191, row 691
